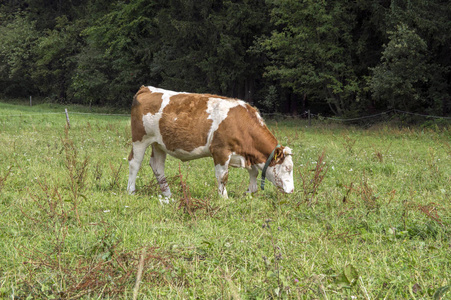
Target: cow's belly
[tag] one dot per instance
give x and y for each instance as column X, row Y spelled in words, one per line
column 184, row 155
column 237, row 161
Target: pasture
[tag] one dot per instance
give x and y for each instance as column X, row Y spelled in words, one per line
column 370, row 217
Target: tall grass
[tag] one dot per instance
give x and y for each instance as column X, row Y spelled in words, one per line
column 370, row 216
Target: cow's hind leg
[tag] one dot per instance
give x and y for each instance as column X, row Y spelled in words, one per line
column 134, row 163
column 157, row 161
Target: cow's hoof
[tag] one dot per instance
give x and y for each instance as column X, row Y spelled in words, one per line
column 165, row 199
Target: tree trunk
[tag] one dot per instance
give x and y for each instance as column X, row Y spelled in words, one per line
column 249, row 90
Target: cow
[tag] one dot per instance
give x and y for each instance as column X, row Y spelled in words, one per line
column 190, row 126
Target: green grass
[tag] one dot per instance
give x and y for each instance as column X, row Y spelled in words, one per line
column 369, row 219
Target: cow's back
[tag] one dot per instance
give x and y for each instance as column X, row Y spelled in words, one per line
column 182, row 124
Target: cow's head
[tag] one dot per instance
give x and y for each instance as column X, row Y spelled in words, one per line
column 280, row 169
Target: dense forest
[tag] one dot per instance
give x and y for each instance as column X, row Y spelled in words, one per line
column 338, row 57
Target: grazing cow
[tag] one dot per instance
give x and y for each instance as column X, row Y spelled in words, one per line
column 190, row 126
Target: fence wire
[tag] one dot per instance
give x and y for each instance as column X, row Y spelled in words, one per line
column 385, row 113
column 302, row 115
column 62, row 113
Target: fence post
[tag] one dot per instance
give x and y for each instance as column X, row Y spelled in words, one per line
column 67, row 118
column 309, row 118
column 30, row 101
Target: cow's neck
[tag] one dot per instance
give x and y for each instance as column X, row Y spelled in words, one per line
column 264, row 145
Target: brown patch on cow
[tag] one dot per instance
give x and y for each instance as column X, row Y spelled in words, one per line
column 144, row 102
column 184, row 124
column 241, row 132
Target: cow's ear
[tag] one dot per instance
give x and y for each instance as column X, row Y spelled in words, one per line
column 279, row 155
column 287, row 151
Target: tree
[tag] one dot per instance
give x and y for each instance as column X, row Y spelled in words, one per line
column 205, row 46
column 431, row 23
column 327, row 54
column 56, row 50
column 401, row 77
column 311, row 50
column 38, row 53
column 185, row 45
column 19, row 38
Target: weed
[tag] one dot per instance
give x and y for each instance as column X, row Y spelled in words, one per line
column 191, row 205
column 379, row 154
column 368, row 196
column 51, row 215
column 3, row 178
column 311, row 183
column 344, row 236
column 116, row 175
column 365, row 192
column 103, row 271
column 433, row 163
column 447, row 147
column 98, row 172
column 272, row 265
column 348, row 191
column 76, row 172
column 413, row 229
column 430, row 210
column 91, row 277
column 348, row 143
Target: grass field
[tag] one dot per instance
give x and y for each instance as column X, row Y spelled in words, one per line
column 370, row 217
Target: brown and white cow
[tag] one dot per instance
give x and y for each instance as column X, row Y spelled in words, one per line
column 190, row 126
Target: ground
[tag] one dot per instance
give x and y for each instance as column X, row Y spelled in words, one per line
column 370, row 216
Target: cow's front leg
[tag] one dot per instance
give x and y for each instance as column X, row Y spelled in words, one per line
column 157, row 161
column 253, row 173
column 222, row 174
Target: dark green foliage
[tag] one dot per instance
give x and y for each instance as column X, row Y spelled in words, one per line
column 343, row 57
column 18, row 37
column 400, row 79
column 311, row 50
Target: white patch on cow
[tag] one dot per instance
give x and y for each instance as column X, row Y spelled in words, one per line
column 151, row 125
column 139, row 148
column 151, row 121
column 163, row 91
column 218, row 110
column 260, row 119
